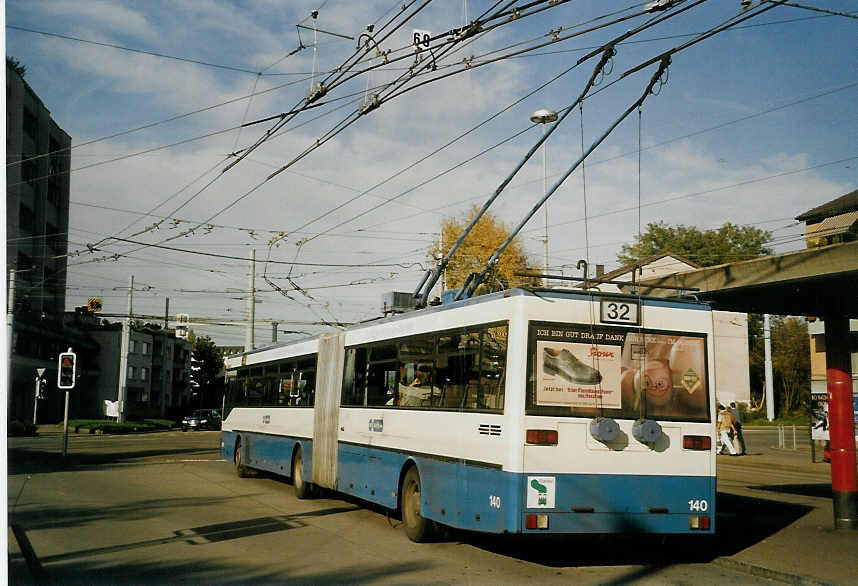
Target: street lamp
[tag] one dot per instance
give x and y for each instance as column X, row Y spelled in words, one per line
column 544, row 116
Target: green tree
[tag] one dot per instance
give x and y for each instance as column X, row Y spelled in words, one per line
column 705, row 247
column 486, row 236
column 16, row 66
column 206, row 363
column 790, row 362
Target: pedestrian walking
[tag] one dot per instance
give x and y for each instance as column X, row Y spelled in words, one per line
column 725, row 426
column 737, row 423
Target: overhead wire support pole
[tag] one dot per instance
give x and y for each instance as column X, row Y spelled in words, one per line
column 431, row 276
column 473, row 280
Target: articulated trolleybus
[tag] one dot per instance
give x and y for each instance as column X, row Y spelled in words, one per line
column 514, row 412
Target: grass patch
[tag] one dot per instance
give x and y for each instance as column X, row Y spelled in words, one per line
column 788, row 420
column 112, row 427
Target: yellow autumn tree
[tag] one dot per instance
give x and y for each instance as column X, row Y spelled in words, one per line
column 486, row 236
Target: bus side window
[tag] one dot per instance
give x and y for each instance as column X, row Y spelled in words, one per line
column 464, row 371
column 381, row 382
column 493, row 368
column 307, row 388
column 354, row 377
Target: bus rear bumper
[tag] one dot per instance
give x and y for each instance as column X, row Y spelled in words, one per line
column 608, row 503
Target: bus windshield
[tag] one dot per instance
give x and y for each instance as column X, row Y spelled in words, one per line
column 578, row 370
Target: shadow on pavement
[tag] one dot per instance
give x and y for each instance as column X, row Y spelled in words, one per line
column 822, row 489
column 31, row 461
column 741, row 523
column 215, row 571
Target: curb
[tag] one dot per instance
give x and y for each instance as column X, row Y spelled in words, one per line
column 732, row 563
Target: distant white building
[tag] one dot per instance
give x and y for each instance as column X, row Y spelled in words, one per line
column 158, row 375
column 732, row 372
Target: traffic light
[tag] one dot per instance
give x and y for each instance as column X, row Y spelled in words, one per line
column 65, row 377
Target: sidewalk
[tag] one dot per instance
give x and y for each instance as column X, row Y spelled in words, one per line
column 784, row 489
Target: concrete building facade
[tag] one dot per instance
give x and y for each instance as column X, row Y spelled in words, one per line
column 37, row 216
column 157, row 366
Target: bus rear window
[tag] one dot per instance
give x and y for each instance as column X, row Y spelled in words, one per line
column 577, row 370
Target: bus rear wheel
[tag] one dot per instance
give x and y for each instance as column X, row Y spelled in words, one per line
column 417, row 527
column 303, row 489
column 238, row 459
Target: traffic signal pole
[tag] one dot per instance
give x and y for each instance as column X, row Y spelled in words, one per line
column 66, row 372
column 66, row 428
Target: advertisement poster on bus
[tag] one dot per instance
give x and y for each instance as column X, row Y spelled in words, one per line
column 586, row 367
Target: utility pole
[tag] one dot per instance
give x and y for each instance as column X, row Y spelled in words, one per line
column 167, row 314
column 123, row 353
column 249, row 343
column 274, row 325
column 770, row 379
column 544, row 117
column 10, row 323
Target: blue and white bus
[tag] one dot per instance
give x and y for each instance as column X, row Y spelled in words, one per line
column 514, row 412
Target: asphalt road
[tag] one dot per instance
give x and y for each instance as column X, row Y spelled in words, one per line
column 163, row 508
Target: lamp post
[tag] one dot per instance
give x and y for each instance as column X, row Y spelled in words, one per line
column 544, row 116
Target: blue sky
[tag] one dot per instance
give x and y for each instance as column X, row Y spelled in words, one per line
column 748, row 129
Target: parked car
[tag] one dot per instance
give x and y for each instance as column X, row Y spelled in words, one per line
column 202, row 419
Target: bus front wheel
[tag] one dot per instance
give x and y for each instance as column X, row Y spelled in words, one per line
column 418, row 528
column 303, row 489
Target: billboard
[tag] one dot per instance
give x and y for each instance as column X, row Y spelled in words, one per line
column 619, row 372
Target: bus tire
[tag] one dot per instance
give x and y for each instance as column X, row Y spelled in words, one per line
column 241, row 470
column 303, row 489
column 418, row 528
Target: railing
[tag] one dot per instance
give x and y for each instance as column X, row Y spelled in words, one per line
column 782, row 437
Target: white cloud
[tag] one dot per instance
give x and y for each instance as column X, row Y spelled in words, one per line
column 118, row 19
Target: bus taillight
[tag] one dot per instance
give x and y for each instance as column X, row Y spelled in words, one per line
column 698, row 522
column 542, row 437
column 536, row 522
column 697, row 442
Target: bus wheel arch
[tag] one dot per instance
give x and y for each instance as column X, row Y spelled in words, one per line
column 303, row 488
column 241, row 468
column 417, row 527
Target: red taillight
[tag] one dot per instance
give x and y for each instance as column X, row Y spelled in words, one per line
column 697, row 442
column 530, row 521
column 542, row 437
column 536, row 521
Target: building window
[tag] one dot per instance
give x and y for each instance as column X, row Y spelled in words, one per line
column 26, row 218
column 146, row 347
column 132, row 372
column 56, row 165
column 31, row 124
column 24, row 266
column 132, row 346
column 144, row 373
column 54, row 192
column 29, row 170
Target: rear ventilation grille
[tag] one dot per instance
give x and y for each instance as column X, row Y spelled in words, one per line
column 486, row 429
